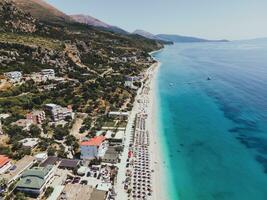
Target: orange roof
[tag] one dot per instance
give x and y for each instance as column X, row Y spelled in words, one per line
column 3, row 160
column 96, row 141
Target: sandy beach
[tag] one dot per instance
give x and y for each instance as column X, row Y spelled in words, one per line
column 148, row 137
column 160, row 182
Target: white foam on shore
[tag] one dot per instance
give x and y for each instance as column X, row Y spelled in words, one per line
column 160, row 178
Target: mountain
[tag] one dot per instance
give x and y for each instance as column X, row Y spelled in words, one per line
column 42, row 11
column 151, row 36
column 146, row 34
column 185, row 39
column 91, row 21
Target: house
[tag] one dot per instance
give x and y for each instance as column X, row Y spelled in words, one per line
column 94, row 148
column 20, row 166
column 130, row 84
column 40, row 157
column 29, row 142
column 48, row 74
column 133, row 78
column 51, row 160
column 69, row 164
column 111, row 156
column 14, row 77
column 124, row 59
column 119, row 115
column 34, row 181
column 25, row 124
column 117, row 139
column 59, row 113
column 5, row 164
column 36, row 116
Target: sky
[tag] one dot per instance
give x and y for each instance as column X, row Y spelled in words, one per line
column 211, row 19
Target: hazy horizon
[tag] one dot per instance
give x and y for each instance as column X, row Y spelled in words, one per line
column 211, row 19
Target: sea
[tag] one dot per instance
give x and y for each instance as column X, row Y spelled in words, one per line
column 212, row 119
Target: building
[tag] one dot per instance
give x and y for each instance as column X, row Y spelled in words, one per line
column 94, row 148
column 34, row 181
column 5, row 164
column 119, row 115
column 69, row 164
column 124, row 59
column 111, row 156
column 29, row 142
column 51, row 160
column 40, row 157
column 20, row 166
column 48, row 74
column 25, row 124
column 14, row 77
column 59, row 113
column 133, row 78
column 130, row 84
column 37, row 116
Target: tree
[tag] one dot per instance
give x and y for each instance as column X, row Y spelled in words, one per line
column 61, row 152
column 48, row 192
column 60, row 132
column 3, row 183
column 20, row 196
column 51, row 151
column 70, row 140
column 35, row 131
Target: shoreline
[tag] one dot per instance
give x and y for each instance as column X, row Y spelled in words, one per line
column 156, row 149
column 159, row 177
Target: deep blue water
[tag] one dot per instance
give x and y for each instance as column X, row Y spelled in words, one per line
column 214, row 131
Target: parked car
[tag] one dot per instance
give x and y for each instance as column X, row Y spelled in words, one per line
column 76, row 180
column 88, row 174
column 84, row 182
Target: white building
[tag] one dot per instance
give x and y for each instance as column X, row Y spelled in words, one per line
column 119, row 115
column 29, row 142
column 49, row 74
column 94, row 148
column 5, row 164
column 14, row 77
column 130, row 84
column 59, row 113
column 40, row 157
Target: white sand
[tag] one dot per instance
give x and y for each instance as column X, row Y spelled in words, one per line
column 159, row 178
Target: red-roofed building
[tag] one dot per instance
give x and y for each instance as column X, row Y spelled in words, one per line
column 37, row 116
column 5, row 164
column 94, row 148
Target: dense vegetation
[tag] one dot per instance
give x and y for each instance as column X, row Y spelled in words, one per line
column 92, row 62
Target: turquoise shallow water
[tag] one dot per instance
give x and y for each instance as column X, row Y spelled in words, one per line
column 215, row 131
